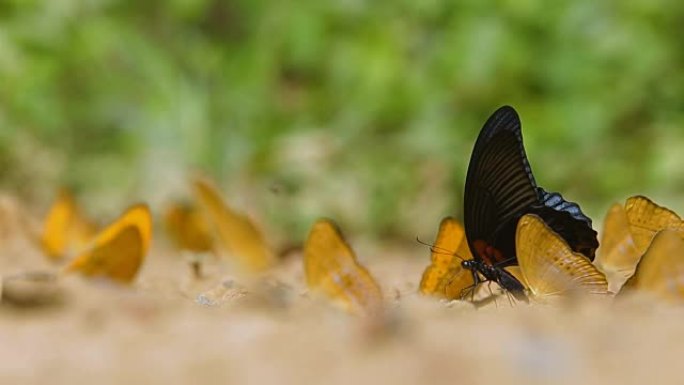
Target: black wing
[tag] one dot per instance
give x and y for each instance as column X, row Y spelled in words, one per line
column 567, row 219
column 499, row 185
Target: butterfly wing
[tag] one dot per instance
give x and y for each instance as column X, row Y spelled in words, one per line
column 549, row 265
column 645, row 219
column 567, row 219
column 500, row 188
column 617, row 257
column 556, row 201
column 331, row 268
column 661, row 270
column 445, row 270
column 119, row 250
column 65, row 230
column 499, row 184
column 188, row 229
column 54, row 237
column 236, row 231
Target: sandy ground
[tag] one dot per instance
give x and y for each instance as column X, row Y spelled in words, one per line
column 170, row 328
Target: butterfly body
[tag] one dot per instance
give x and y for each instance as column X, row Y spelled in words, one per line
column 494, row 273
column 499, row 190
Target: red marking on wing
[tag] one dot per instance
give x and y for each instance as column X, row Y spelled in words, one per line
column 489, row 254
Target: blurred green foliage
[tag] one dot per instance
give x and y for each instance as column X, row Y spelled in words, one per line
column 361, row 111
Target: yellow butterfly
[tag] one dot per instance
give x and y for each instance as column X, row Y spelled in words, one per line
column 445, row 277
column 549, row 267
column 332, row 269
column 627, row 234
column 118, row 251
column 661, row 270
column 236, row 232
column 65, row 229
column 188, row 229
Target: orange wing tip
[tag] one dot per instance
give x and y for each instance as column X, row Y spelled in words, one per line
column 332, row 270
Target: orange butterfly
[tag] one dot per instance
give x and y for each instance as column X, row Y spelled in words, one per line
column 445, row 277
column 236, row 232
column 617, row 256
column 332, row 269
column 65, row 229
column 646, row 219
column 118, row 251
column 188, row 229
column 627, row 234
column 549, row 267
column 661, row 270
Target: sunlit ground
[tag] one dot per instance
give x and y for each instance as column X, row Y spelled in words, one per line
column 172, row 327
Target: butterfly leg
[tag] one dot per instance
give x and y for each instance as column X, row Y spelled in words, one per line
column 510, row 298
column 466, row 292
column 470, row 290
column 491, row 294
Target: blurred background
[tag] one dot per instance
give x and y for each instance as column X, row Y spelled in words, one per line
column 362, row 111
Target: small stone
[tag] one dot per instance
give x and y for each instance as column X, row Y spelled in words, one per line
column 225, row 292
column 31, row 289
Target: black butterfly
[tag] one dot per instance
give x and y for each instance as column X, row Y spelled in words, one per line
column 499, row 189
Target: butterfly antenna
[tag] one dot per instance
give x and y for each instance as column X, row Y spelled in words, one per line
column 472, row 293
column 431, row 246
column 471, row 289
column 440, row 250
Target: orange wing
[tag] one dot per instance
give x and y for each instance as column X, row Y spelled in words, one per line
column 445, row 277
column 661, row 269
column 332, row 269
column 188, row 229
column 617, row 257
column 646, row 219
column 118, row 251
column 65, row 229
column 549, row 266
column 236, row 232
